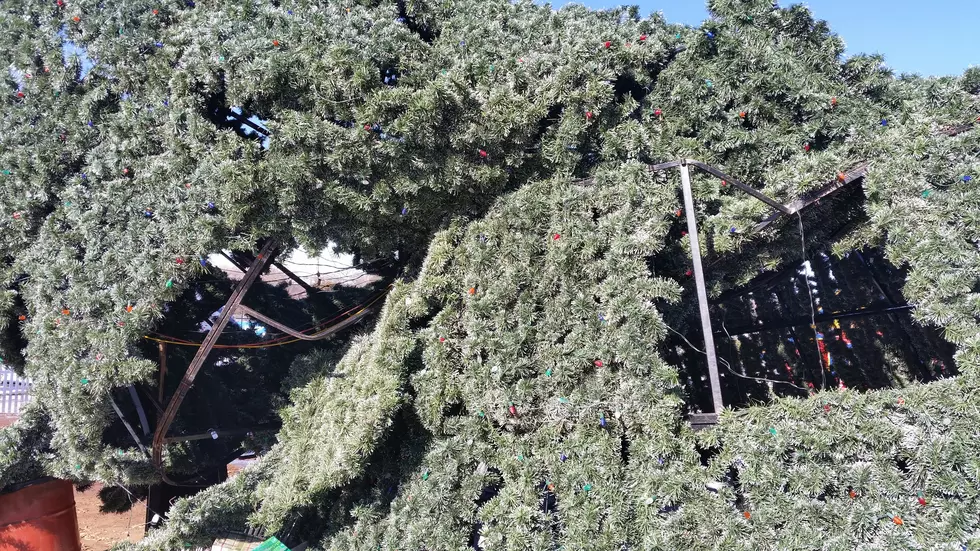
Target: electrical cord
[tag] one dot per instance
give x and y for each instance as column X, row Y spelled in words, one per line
column 813, row 313
column 728, row 366
column 131, row 496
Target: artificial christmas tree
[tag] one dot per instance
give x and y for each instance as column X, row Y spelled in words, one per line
column 526, row 383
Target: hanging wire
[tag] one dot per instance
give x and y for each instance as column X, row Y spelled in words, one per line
column 138, row 501
column 279, row 279
column 813, row 324
column 729, row 366
column 129, row 524
column 340, row 266
column 813, row 313
column 299, row 293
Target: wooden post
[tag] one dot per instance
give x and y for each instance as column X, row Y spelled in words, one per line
column 709, row 340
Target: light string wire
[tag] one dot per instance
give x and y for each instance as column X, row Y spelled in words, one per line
column 137, row 502
column 729, row 366
column 813, row 327
column 813, row 313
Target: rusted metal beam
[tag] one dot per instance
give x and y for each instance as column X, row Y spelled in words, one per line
column 303, row 336
column 960, row 128
column 735, row 182
column 261, row 261
column 851, row 176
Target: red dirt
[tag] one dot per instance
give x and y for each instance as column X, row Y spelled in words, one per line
column 100, row 531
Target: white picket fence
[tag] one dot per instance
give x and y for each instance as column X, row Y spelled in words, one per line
column 15, row 392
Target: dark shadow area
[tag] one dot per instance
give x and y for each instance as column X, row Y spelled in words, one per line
column 494, row 483
column 116, row 500
column 864, row 337
column 215, row 108
column 423, row 30
column 12, row 339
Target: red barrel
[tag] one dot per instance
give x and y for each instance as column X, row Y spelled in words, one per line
column 39, row 517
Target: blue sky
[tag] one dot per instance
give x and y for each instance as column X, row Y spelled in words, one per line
column 936, row 37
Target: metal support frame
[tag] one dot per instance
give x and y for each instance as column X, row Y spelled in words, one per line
column 268, row 427
column 849, row 177
column 139, row 410
column 228, row 310
column 709, row 341
column 261, row 261
column 129, row 428
column 303, row 336
column 702, row 420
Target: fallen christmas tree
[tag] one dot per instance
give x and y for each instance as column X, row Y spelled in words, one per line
column 514, row 392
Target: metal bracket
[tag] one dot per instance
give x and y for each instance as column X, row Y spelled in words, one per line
column 709, row 342
column 701, row 420
column 851, row 176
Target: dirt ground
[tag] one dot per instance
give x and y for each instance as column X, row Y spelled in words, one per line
column 100, row 531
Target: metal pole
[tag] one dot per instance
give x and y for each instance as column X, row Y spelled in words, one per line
column 709, row 341
column 303, row 336
column 170, row 413
column 139, row 410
